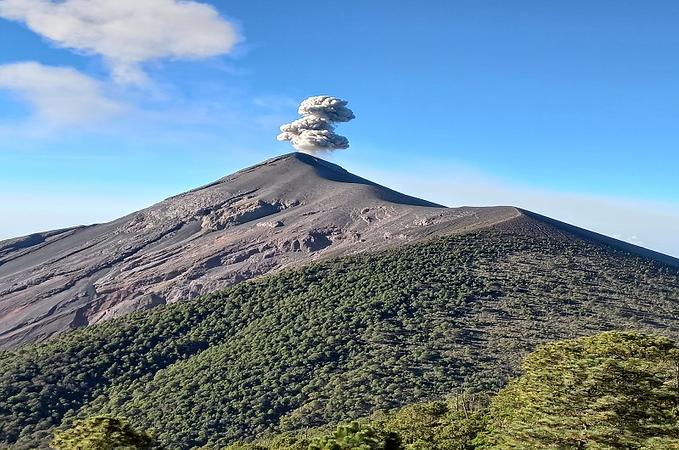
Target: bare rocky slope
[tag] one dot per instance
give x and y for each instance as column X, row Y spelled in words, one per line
column 284, row 212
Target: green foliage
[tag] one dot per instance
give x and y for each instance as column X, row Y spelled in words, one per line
column 334, row 341
column 355, row 436
column 102, row 433
column 610, row 391
column 614, row 390
column 441, row 425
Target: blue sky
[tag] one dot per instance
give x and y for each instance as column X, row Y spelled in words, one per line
column 566, row 108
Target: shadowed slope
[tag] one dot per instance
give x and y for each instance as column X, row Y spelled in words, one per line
column 597, row 237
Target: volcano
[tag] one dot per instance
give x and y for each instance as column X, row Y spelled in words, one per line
column 285, row 212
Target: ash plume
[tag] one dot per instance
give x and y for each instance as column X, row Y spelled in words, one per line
column 315, row 131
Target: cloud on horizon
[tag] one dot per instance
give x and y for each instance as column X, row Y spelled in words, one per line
column 127, row 33
column 641, row 222
column 59, row 96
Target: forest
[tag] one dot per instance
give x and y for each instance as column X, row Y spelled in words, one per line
column 344, row 340
column 614, row 390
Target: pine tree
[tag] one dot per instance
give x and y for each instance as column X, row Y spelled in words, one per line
column 103, row 433
column 610, row 391
column 355, row 436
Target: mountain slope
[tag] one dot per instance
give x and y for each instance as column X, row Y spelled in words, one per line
column 338, row 339
column 284, row 212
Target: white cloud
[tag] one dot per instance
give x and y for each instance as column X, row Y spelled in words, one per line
column 60, row 95
column 127, row 33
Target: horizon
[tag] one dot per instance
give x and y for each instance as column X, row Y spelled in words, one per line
column 568, row 111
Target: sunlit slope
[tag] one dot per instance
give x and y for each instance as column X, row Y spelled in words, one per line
column 340, row 338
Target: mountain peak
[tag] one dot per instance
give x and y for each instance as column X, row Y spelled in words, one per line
column 306, row 158
column 301, row 161
column 308, row 176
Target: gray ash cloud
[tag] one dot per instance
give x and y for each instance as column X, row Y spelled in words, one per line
column 315, row 130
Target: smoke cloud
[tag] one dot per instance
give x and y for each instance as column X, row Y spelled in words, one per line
column 315, row 131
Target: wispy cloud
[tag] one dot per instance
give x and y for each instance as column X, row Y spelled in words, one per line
column 127, row 33
column 60, row 96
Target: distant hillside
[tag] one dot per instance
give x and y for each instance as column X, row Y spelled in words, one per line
column 338, row 339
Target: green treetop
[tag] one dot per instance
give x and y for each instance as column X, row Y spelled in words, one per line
column 102, row 433
column 614, row 390
column 356, row 436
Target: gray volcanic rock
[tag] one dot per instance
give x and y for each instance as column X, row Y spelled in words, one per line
column 284, row 212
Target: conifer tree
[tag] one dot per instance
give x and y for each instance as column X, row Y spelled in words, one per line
column 614, row 390
column 102, row 433
column 355, row 436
